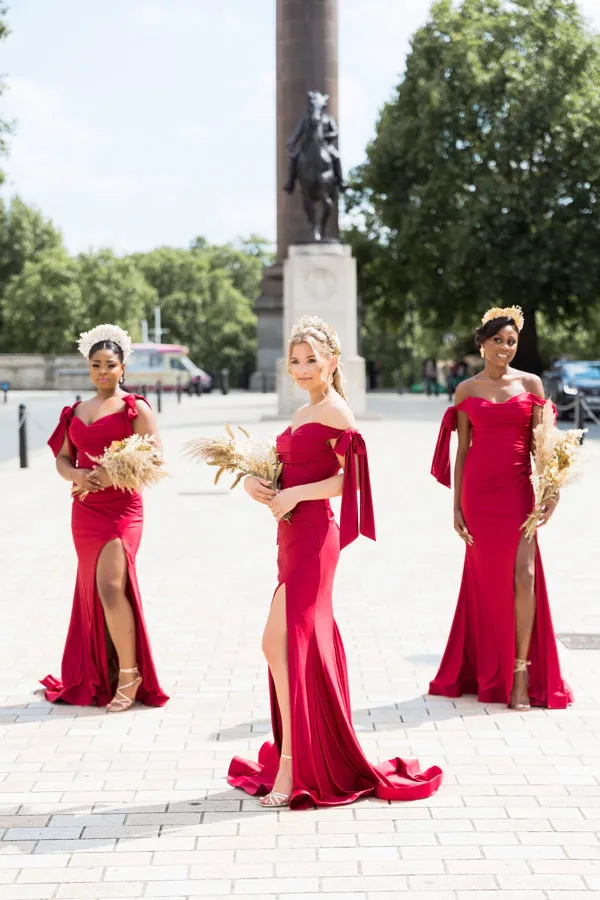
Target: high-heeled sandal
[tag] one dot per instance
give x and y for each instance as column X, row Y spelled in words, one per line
column 121, row 702
column 521, row 666
column 276, row 800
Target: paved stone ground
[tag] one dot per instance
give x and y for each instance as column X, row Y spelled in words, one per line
column 136, row 805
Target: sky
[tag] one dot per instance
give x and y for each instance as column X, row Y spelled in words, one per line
column 144, row 123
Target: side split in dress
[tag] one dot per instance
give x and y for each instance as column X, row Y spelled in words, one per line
column 496, row 498
column 101, row 517
column 329, row 766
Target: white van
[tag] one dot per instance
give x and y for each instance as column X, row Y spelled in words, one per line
column 167, row 365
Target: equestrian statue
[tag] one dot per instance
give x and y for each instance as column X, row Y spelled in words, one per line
column 315, row 163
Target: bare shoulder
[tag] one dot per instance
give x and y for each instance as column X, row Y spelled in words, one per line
column 145, row 416
column 532, row 383
column 335, row 413
column 299, row 416
column 82, row 406
column 464, row 390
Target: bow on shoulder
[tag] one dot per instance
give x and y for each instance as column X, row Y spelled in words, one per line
column 56, row 439
column 440, row 467
column 352, row 447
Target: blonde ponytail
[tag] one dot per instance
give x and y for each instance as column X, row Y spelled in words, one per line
column 338, row 382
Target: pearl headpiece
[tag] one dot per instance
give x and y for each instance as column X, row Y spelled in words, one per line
column 314, row 323
column 87, row 339
column 509, row 312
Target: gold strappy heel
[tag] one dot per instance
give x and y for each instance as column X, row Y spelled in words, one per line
column 121, row 702
column 521, row 666
column 276, row 800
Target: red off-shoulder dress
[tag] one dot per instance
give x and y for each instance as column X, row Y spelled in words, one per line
column 329, row 766
column 496, row 498
column 101, row 517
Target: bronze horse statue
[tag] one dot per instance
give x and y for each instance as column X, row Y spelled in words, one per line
column 315, row 162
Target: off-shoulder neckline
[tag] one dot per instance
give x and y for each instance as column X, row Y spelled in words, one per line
column 294, row 431
column 496, row 402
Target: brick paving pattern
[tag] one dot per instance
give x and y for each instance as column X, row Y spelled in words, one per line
column 136, row 805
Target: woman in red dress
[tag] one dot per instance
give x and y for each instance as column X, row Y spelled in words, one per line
column 107, row 629
column 501, row 645
column 316, row 758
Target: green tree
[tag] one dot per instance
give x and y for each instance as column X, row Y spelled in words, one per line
column 5, row 127
column 243, row 261
column 25, row 236
column 42, row 305
column 113, row 290
column 481, row 185
column 201, row 306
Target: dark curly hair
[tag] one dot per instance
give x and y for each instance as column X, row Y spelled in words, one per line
column 487, row 331
column 107, row 345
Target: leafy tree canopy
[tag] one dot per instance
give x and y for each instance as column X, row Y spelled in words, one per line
column 5, row 127
column 480, row 187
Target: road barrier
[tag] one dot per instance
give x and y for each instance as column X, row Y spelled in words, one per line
column 581, row 412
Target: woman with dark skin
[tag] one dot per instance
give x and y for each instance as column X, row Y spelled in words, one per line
column 495, row 414
column 107, row 527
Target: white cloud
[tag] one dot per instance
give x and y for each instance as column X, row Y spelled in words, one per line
column 197, row 16
column 250, row 214
column 40, row 114
column 259, row 107
column 193, row 133
column 149, row 15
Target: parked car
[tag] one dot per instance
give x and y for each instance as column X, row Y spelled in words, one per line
column 567, row 378
column 168, row 364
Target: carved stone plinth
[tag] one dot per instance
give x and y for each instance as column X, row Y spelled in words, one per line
column 320, row 280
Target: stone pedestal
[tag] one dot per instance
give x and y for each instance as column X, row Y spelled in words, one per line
column 269, row 329
column 320, row 280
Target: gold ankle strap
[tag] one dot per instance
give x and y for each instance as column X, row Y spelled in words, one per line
column 285, row 756
column 129, row 671
column 521, row 665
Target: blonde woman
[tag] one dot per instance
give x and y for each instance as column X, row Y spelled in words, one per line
column 316, row 758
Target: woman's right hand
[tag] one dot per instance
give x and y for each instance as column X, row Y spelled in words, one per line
column 87, row 480
column 461, row 528
column 259, row 489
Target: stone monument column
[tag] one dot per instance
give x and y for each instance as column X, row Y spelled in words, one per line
column 306, row 60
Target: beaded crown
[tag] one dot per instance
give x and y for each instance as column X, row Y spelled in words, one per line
column 87, row 339
column 510, row 312
column 314, row 323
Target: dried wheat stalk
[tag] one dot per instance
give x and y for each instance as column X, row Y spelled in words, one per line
column 238, row 454
column 556, row 460
column 131, row 464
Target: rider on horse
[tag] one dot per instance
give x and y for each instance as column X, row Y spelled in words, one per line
column 330, row 135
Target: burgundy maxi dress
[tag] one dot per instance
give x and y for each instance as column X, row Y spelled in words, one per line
column 329, row 766
column 89, row 669
column 497, row 496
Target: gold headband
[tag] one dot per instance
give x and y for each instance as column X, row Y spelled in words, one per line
column 509, row 312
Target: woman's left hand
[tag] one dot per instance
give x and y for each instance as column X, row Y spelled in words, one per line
column 283, row 502
column 547, row 510
column 99, row 477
